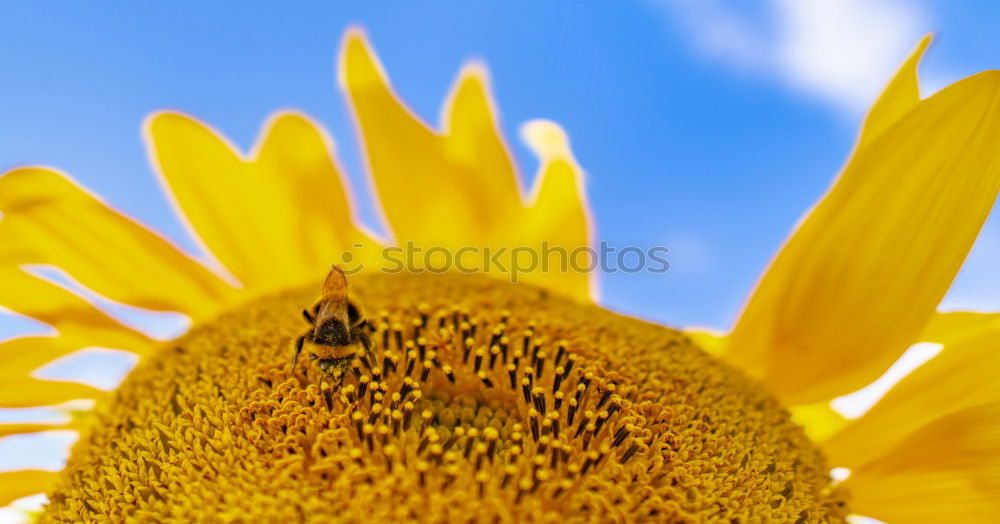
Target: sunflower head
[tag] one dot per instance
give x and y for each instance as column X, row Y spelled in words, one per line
column 480, row 399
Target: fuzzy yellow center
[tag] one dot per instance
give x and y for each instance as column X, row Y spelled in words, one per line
column 483, row 401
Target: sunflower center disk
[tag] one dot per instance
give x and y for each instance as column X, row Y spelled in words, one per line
column 482, row 399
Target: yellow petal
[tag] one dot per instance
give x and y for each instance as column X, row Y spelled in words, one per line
column 857, row 281
column 47, row 219
column 26, row 392
column 19, row 357
column 275, row 219
column 427, row 194
column 962, row 375
column 819, row 420
column 947, row 471
column 26, row 427
column 708, row 339
column 473, row 145
column 558, row 215
column 899, row 97
column 458, row 188
column 79, row 323
column 945, row 328
column 21, row 483
column 296, row 152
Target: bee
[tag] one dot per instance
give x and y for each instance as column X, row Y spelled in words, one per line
column 337, row 325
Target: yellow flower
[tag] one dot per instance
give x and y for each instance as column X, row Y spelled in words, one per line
column 506, row 401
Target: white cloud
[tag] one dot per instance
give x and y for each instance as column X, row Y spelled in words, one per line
column 841, row 51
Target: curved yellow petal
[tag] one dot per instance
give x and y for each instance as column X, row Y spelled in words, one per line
column 458, row 188
column 19, row 357
column 28, row 427
column 473, row 144
column 860, row 277
column 945, row 328
column 21, row 483
column 899, row 97
column 430, row 194
column 296, row 151
column 276, row 218
column 48, row 219
column 819, row 420
column 26, row 392
column 80, row 325
column 558, row 215
column 947, row 471
column 962, row 375
column 76, row 319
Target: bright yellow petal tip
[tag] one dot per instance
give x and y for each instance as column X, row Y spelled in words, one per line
column 899, row 97
column 861, row 276
column 49, row 219
column 359, row 66
column 456, row 187
column 547, row 139
column 287, row 199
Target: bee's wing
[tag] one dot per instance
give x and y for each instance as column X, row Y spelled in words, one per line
column 335, row 295
column 335, row 285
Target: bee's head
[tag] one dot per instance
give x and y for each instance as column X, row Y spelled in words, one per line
column 329, row 365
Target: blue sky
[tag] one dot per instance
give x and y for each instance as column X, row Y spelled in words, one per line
column 705, row 126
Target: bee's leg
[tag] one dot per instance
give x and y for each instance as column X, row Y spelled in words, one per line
column 366, row 341
column 299, row 342
column 308, row 316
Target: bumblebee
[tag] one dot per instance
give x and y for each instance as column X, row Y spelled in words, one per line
column 337, row 326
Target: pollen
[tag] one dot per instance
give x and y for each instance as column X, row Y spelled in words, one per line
column 481, row 401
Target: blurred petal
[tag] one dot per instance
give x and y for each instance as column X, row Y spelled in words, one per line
column 819, row 420
column 26, row 392
column 19, row 357
column 962, row 375
column 474, row 146
column 558, row 213
column 857, row 281
column 458, row 188
column 711, row 341
column 47, row 219
column 425, row 193
column 899, row 97
column 945, row 328
column 296, row 153
column 79, row 324
column 28, row 427
column 76, row 319
column 275, row 220
column 21, row 483
column 947, row 471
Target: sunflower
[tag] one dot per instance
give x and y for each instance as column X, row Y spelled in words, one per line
column 484, row 399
